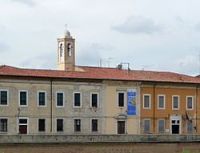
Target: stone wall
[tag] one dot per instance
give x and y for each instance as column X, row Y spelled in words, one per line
column 50, row 139
column 102, row 148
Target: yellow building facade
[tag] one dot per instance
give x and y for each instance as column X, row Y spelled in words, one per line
column 116, row 112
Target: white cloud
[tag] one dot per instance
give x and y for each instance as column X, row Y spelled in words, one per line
column 92, row 54
column 188, row 64
column 3, row 47
column 151, row 33
column 138, row 24
column 179, row 20
column 197, row 27
column 26, row 2
column 45, row 60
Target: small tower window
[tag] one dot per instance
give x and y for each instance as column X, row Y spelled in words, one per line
column 61, row 50
column 69, row 49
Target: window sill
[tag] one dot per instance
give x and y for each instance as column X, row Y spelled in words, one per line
column 189, row 109
column 77, row 107
column 59, row 132
column 60, row 106
column 175, row 109
column 1, row 133
column 23, row 105
column 161, row 108
column 148, row 108
column 42, row 106
column 42, row 132
column 121, row 106
column 94, row 107
column 3, row 105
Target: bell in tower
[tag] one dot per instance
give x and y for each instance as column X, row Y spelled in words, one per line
column 66, row 52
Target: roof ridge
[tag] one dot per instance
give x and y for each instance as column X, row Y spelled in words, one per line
column 152, row 71
column 101, row 73
column 96, row 67
column 2, row 66
column 21, row 68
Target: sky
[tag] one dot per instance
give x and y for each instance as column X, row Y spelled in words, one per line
column 149, row 34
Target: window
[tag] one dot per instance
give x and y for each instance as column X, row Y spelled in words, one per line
column 23, row 125
column 161, row 102
column 59, row 125
column 121, row 99
column 59, row 99
column 3, row 125
column 147, row 126
column 41, row 98
column 77, row 99
column 175, row 102
column 3, row 97
column 69, row 49
column 41, row 125
column 189, row 127
column 77, row 125
column 94, row 100
column 189, row 102
column 23, row 98
column 120, row 127
column 161, row 126
column 94, row 125
column 146, row 101
column 61, row 49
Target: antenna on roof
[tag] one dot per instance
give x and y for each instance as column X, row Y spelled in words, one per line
column 120, row 66
column 105, row 60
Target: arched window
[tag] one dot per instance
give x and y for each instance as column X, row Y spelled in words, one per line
column 61, row 50
column 69, row 49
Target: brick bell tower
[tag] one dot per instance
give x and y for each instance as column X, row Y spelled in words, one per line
column 66, row 52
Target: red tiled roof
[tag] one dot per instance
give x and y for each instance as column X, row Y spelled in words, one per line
column 100, row 73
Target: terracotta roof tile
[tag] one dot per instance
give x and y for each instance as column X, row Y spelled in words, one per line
column 85, row 72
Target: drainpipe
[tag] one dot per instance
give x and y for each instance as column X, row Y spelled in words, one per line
column 154, row 108
column 196, row 101
column 51, row 100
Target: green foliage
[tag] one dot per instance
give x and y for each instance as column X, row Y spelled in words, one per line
column 186, row 151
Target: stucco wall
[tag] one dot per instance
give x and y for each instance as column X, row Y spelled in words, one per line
column 113, row 111
column 68, row 113
column 154, row 114
column 107, row 111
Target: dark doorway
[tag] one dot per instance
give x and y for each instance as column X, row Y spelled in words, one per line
column 23, row 125
column 175, row 124
column 175, row 129
column 22, row 129
column 120, row 127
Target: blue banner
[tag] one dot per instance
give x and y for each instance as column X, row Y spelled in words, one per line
column 131, row 98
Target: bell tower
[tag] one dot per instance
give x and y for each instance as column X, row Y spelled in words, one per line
column 66, row 52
